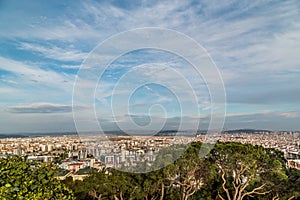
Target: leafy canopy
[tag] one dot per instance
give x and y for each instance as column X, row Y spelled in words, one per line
column 21, row 179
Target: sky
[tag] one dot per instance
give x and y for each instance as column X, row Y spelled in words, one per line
column 46, row 44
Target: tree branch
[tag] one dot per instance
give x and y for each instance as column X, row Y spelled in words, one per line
column 275, row 197
column 255, row 191
column 224, row 184
column 220, row 196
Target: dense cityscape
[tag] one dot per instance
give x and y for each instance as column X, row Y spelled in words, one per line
column 72, row 154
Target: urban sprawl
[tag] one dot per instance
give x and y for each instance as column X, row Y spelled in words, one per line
column 75, row 154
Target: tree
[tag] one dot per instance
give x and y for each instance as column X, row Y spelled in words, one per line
column 289, row 188
column 109, row 184
column 190, row 172
column 243, row 168
column 21, row 179
column 184, row 176
column 231, row 171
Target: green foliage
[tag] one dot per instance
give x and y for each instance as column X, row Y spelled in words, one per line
column 21, row 179
column 244, row 170
column 195, row 176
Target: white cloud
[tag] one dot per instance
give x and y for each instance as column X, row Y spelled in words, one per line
column 70, row 66
column 54, row 52
column 30, row 75
column 292, row 114
column 40, row 108
column 289, row 114
column 255, row 44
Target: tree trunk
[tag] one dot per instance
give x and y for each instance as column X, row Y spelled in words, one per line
column 162, row 191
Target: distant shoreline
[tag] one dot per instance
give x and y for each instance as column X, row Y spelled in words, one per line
column 121, row 133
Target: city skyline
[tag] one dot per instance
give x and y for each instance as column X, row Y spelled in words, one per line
column 255, row 46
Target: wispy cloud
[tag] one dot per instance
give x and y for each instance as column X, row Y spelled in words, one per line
column 254, row 44
column 290, row 114
column 40, row 108
column 54, row 52
column 27, row 74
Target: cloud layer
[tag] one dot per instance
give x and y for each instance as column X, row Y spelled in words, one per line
column 254, row 44
column 40, row 108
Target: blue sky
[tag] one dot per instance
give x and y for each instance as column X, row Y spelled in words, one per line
column 254, row 44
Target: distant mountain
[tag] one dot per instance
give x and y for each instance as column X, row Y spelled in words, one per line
column 116, row 133
column 166, row 133
column 246, row 131
column 122, row 133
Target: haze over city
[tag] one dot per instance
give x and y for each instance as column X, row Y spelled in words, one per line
column 254, row 45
